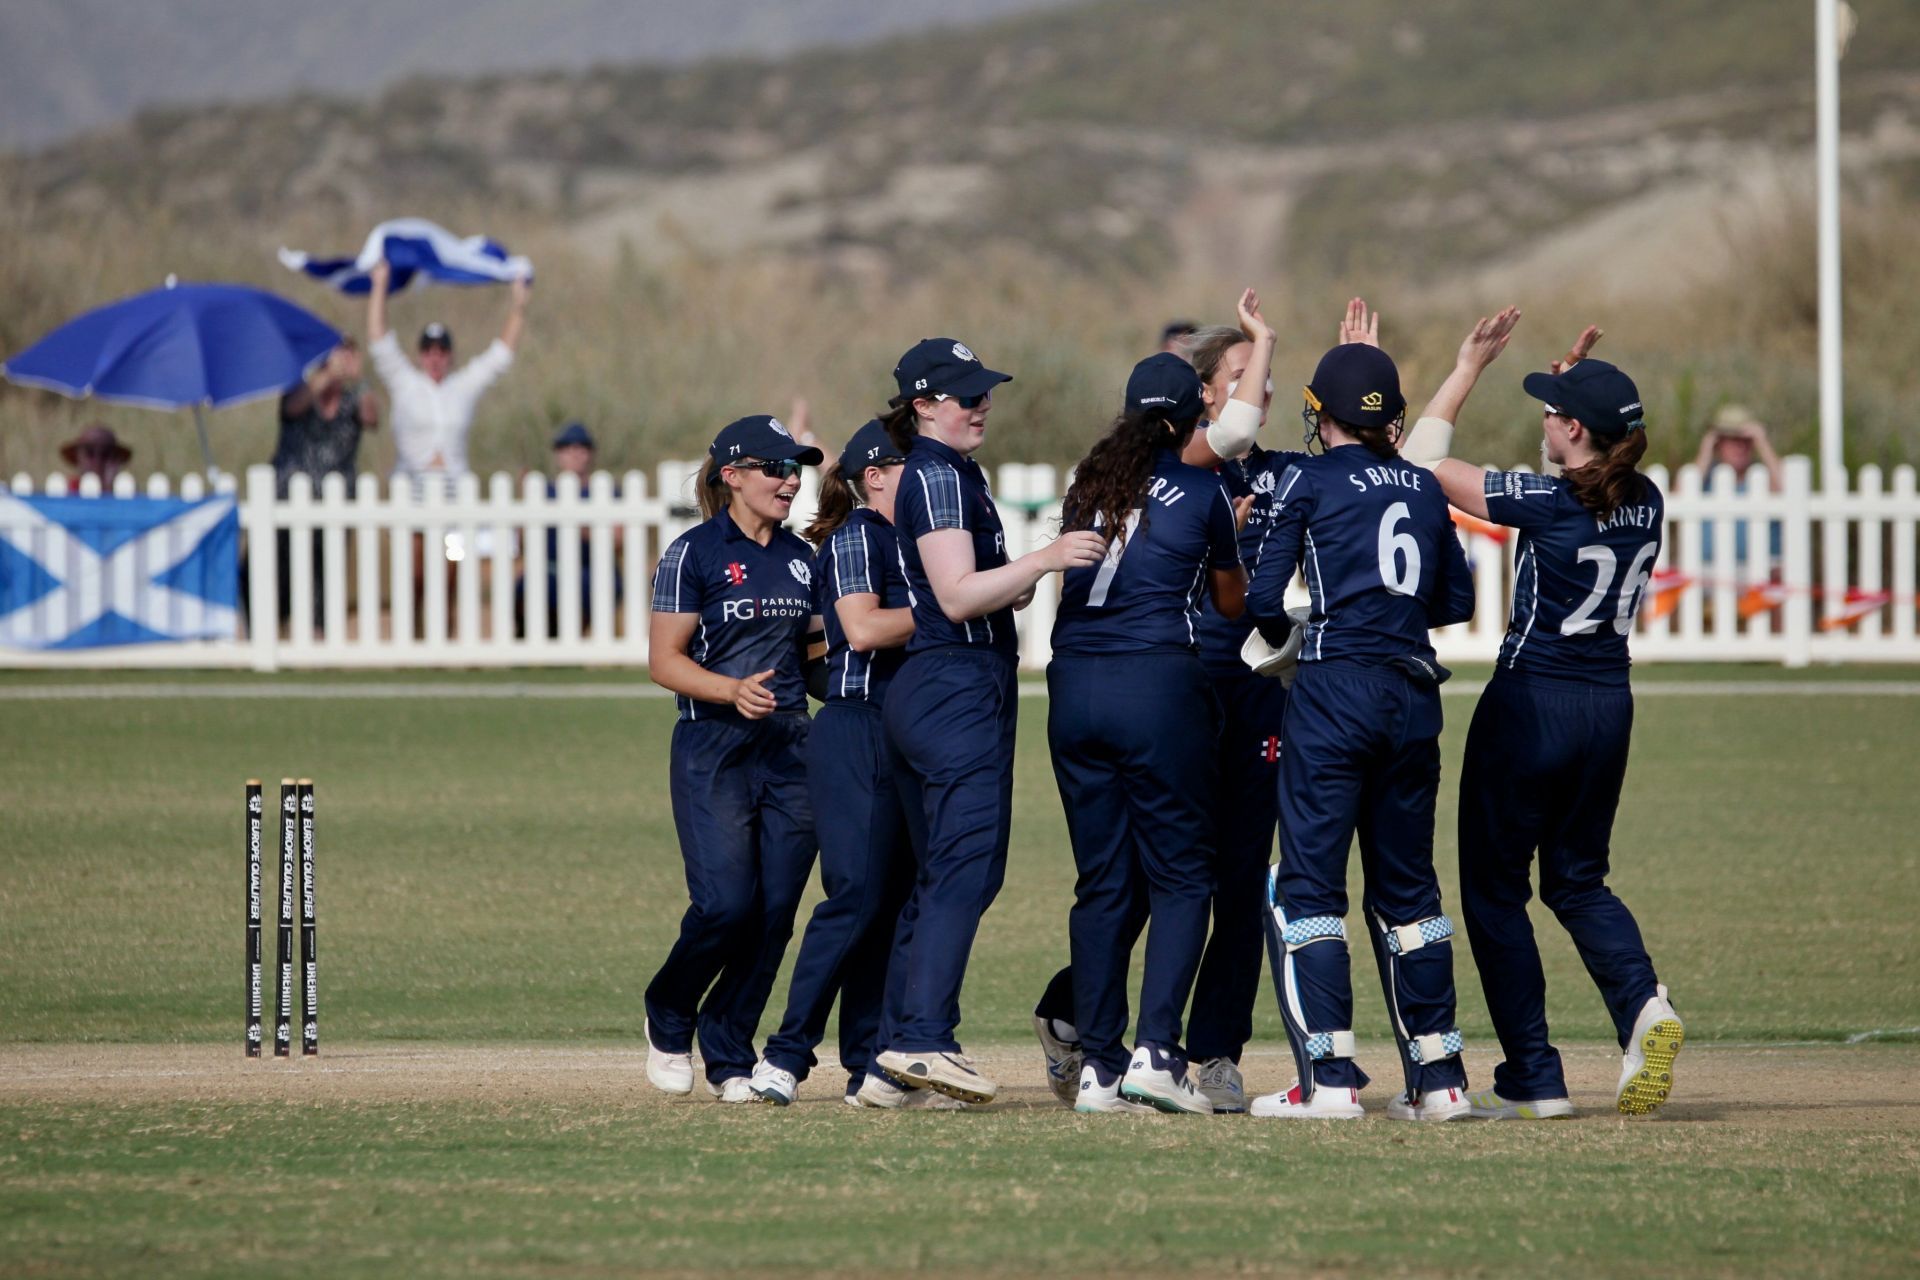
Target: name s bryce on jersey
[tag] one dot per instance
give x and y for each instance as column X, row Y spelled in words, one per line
column 1386, row 477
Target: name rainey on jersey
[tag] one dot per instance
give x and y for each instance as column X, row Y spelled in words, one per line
column 1638, row 516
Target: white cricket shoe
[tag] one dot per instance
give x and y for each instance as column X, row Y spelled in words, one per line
column 1329, row 1102
column 950, row 1073
column 667, row 1072
column 1160, row 1081
column 1098, row 1096
column 1646, row 1067
column 1219, row 1082
column 773, row 1084
column 1435, row 1105
column 1061, row 1045
column 733, row 1089
column 882, row 1094
column 1489, row 1105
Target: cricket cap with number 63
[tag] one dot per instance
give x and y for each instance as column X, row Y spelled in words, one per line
column 1357, row 384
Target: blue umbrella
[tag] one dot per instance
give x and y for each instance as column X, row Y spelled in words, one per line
column 186, row 345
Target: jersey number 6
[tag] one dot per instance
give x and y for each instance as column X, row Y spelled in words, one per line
column 1581, row 620
column 1396, row 547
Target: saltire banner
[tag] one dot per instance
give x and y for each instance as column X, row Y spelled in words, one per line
column 1856, row 605
column 416, row 250
column 81, row 573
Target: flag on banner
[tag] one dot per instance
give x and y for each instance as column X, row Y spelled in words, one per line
column 1763, row 598
column 79, row 573
column 1856, row 605
column 1665, row 588
column 1474, row 524
column 414, row 247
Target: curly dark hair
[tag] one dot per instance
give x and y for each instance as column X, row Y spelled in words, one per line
column 1112, row 479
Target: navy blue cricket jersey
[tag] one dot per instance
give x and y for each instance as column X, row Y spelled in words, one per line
column 1256, row 474
column 1146, row 594
column 1375, row 542
column 1578, row 579
column 941, row 488
column 862, row 557
column 753, row 603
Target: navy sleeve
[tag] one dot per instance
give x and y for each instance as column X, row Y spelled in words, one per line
column 1278, row 554
column 1521, row 499
column 1452, row 599
column 677, row 580
column 1223, row 540
column 939, row 504
column 853, row 571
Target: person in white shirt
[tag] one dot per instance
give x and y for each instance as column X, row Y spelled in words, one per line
column 433, row 403
column 432, row 406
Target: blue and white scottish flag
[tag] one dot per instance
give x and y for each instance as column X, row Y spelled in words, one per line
column 414, row 248
column 77, row 573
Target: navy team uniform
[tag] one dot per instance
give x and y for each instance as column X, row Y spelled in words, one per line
column 740, row 801
column 1133, row 728
column 866, row 858
column 1246, row 814
column 1375, row 542
column 1545, row 759
column 950, row 718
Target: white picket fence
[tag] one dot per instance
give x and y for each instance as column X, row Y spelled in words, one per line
column 356, row 607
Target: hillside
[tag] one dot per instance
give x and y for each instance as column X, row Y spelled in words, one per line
column 1060, row 181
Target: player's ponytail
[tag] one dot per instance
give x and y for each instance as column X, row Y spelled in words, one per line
column 901, row 423
column 839, row 495
column 1112, row 479
column 1612, row 480
column 1379, row 441
column 711, row 488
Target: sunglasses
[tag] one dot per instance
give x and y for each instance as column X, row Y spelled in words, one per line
column 780, row 469
column 967, row 402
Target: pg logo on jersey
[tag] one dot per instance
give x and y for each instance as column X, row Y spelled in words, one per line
column 736, row 573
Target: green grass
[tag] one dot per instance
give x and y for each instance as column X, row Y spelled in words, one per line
column 505, row 872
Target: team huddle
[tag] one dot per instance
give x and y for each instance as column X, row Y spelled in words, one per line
column 1191, row 714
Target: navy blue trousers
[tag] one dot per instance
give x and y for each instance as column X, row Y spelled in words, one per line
column 745, row 822
column 1253, row 710
column 1362, row 754
column 950, row 716
column 1544, row 765
column 867, row 871
column 1134, row 743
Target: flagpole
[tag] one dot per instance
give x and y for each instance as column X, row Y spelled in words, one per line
column 1827, row 147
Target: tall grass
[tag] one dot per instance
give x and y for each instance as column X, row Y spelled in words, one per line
column 655, row 358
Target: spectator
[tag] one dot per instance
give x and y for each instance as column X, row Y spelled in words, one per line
column 1174, row 334
column 96, row 451
column 573, row 451
column 1738, row 439
column 321, row 421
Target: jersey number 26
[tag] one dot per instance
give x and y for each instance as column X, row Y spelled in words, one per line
column 1605, row 565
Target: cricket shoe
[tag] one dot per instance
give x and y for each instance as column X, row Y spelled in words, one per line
column 1435, row 1105
column 667, row 1072
column 1220, row 1083
column 733, row 1089
column 1329, row 1102
column 773, row 1084
column 1100, row 1093
column 1061, row 1044
column 1489, row 1105
column 1646, row 1067
column 882, row 1094
column 950, row 1073
column 1160, row 1080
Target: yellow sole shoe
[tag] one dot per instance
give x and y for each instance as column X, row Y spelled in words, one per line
column 1647, row 1088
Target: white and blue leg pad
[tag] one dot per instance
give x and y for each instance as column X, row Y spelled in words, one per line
column 1398, row 941
column 1287, row 937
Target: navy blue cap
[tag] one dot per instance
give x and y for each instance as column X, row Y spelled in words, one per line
column 763, row 437
column 571, row 434
column 1165, row 385
column 871, row 446
column 436, row 335
column 1357, row 384
column 936, row 365
column 1594, row 393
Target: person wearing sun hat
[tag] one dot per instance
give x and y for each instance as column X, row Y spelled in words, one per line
column 96, row 451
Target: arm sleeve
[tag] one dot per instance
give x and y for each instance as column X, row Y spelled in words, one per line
column 1223, row 540
column 1521, row 499
column 1232, row 434
column 1453, row 594
column 938, row 504
column 481, row 371
column 1278, row 552
column 393, row 367
column 677, row 580
column 851, row 569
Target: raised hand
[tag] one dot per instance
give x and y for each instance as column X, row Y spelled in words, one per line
column 1359, row 324
column 1578, row 351
column 1489, row 338
column 1252, row 323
